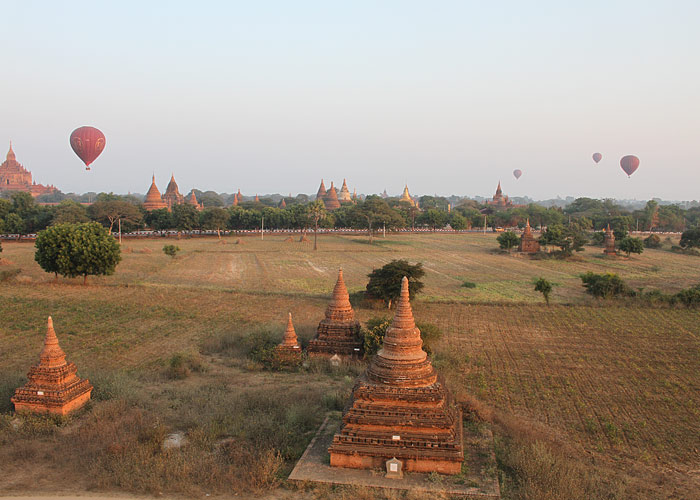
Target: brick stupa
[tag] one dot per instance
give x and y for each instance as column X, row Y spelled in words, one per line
column 338, row 332
column 289, row 350
column 53, row 385
column 400, row 409
column 528, row 243
column 609, row 242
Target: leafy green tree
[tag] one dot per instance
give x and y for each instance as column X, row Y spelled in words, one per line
column 372, row 212
column 69, row 211
column 77, row 250
column 690, row 238
column 5, row 207
column 605, row 285
column 544, row 287
column 214, row 218
column 115, row 211
column 185, row 217
column 160, row 220
column 631, row 245
column 171, row 250
column 23, row 204
column 458, row 222
column 568, row 238
column 14, row 224
column 385, row 282
column 508, row 240
column 433, row 217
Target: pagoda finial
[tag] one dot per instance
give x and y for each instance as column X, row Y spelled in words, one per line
column 289, row 338
column 404, row 313
column 51, row 354
column 11, row 153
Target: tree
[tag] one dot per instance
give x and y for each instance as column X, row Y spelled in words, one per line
column 652, row 241
column 568, row 238
column 631, row 245
column 77, row 250
column 458, row 222
column 385, row 282
column 214, row 218
column 433, row 217
column 373, row 211
column 185, row 217
column 160, row 220
column 69, row 211
column 508, row 240
column 690, row 238
column 604, row 285
column 544, row 287
column 14, row 224
column 317, row 211
column 114, row 212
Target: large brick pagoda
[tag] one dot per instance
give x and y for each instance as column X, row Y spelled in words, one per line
column 53, row 385
column 400, row 409
column 338, row 332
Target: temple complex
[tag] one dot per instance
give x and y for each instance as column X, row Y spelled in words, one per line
column 344, row 196
column 172, row 195
column 499, row 199
column 400, row 409
column 283, row 204
column 331, row 199
column 609, row 242
column 14, row 177
column 53, row 386
column 528, row 243
column 289, row 350
column 338, row 332
column 154, row 201
column 406, row 197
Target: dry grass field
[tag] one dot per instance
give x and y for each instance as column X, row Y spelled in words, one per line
column 587, row 399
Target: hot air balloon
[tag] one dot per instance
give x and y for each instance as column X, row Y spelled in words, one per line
column 597, row 157
column 629, row 164
column 517, row 173
column 87, row 143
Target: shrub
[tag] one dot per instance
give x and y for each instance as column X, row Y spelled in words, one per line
column 468, row 284
column 260, row 347
column 605, row 285
column 508, row 240
column 171, row 250
column 689, row 297
column 652, row 241
column 544, row 287
column 598, row 238
column 631, row 245
column 385, row 282
column 180, row 365
column 690, row 238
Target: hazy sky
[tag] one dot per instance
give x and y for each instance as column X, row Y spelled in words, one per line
column 271, row 96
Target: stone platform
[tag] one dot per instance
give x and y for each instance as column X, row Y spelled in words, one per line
column 478, row 481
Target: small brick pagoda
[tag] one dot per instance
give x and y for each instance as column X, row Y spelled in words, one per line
column 289, row 350
column 338, row 332
column 399, row 408
column 609, row 242
column 528, row 243
column 53, row 385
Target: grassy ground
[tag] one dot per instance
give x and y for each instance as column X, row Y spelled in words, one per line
column 587, row 400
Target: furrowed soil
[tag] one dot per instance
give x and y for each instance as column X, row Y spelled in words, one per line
column 588, row 399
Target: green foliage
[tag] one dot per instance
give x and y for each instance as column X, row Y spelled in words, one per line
column 171, row 250
column 180, row 365
column 433, row 218
column 690, row 238
column 69, row 211
column 605, row 285
column 689, row 297
column 160, row 220
column 214, row 218
column 598, row 238
column 652, row 241
column 544, row 287
column 185, row 217
column 631, row 245
column 508, row 240
column 77, row 250
column 468, row 284
column 259, row 346
column 376, row 329
column 458, row 222
column 568, row 238
column 385, row 282
column 110, row 211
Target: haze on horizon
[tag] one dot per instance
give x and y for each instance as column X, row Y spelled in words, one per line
column 272, row 96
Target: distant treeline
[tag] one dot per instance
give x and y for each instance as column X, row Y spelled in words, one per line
column 22, row 214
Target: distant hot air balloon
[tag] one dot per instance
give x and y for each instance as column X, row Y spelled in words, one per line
column 597, row 157
column 629, row 164
column 88, row 143
column 517, row 173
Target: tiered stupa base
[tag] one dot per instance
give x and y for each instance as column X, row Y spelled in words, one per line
column 420, row 426
column 336, row 338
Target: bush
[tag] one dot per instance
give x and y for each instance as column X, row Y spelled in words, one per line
column 260, row 347
column 598, row 238
column 630, row 245
column 171, row 250
column 468, row 284
column 508, row 240
column 181, row 365
column 385, row 282
column 605, row 285
column 652, row 241
column 690, row 238
column 544, row 287
column 689, row 297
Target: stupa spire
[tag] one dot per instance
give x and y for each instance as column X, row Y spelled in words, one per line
column 11, row 153
column 340, row 307
column 52, row 354
column 289, row 338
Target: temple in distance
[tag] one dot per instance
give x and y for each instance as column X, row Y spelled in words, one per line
column 14, row 177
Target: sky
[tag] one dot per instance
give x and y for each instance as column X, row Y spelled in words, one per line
column 448, row 97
